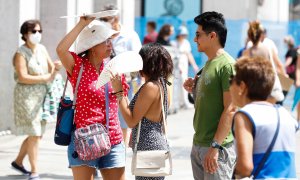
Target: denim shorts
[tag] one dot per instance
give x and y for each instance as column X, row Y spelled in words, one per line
column 115, row 158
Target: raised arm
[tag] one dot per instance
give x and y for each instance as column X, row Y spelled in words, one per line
column 64, row 45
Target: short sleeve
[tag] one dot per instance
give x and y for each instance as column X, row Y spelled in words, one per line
column 23, row 52
column 225, row 73
column 78, row 62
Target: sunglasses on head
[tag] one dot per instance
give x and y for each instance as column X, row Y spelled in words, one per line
column 34, row 31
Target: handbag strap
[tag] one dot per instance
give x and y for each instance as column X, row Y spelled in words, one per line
column 76, row 87
column 107, row 106
column 265, row 157
column 164, row 122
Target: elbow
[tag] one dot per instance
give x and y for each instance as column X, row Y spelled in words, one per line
column 59, row 50
column 130, row 124
column 244, row 170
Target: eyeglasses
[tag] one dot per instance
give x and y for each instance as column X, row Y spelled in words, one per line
column 107, row 41
column 34, row 31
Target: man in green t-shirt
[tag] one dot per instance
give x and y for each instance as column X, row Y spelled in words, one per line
column 213, row 154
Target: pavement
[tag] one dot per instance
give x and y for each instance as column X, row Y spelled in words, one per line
column 53, row 162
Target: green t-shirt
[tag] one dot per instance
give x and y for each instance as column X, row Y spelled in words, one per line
column 214, row 80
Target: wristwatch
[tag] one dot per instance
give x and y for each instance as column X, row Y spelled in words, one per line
column 215, row 144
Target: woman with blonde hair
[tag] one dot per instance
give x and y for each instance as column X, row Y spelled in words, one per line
column 255, row 35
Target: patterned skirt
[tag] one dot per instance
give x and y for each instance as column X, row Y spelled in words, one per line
column 28, row 103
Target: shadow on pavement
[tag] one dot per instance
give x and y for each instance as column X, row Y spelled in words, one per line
column 42, row 176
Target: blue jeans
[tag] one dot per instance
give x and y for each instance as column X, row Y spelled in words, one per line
column 115, row 158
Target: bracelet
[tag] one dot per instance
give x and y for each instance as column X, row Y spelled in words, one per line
column 114, row 93
column 120, row 97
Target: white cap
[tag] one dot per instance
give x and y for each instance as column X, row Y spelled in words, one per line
column 182, row 30
column 95, row 33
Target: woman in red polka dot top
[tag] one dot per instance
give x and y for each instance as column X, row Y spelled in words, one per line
column 92, row 48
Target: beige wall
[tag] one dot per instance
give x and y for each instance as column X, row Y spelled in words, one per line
column 15, row 12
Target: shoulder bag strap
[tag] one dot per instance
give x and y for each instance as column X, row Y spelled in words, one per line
column 65, row 87
column 77, row 85
column 107, row 106
column 265, row 157
column 163, row 111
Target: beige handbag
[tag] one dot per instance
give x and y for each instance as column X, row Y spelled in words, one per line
column 152, row 163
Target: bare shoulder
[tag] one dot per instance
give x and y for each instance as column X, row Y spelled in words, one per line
column 150, row 88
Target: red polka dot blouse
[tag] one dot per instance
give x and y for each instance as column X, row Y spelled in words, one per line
column 90, row 104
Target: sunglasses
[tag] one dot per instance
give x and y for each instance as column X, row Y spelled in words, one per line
column 34, row 31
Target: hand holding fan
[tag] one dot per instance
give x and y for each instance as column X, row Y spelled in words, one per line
column 129, row 61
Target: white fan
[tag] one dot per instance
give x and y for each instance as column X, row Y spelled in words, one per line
column 96, row 15
column 129, row 61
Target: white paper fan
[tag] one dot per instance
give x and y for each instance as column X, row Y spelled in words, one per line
column 96, row 15
column 129, row 61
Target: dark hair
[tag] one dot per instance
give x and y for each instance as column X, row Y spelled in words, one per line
column 28, row 26
column 258, row 75
column 165, row 30
column 152, row 24
column 157, row 61
column 255, row 31
column 213, row 22
column 110, row 7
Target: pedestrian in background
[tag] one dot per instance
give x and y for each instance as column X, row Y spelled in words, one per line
column 186, row 58
column 290, row 57
column 258, row 49
column 126, row 40
column 212, row 155
column 94, row 45
column 33, row 70
column 255, row 124
column 164, row 35
column 151, row 33
column 145, row 107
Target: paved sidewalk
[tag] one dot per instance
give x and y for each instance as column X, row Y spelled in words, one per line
column 53, row 163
